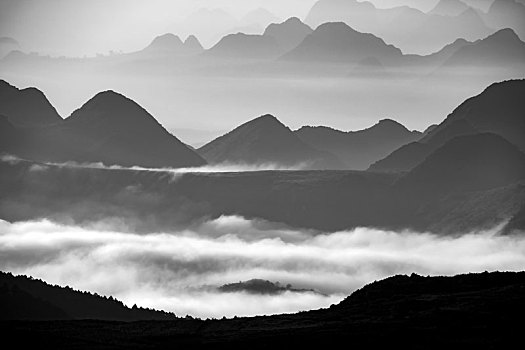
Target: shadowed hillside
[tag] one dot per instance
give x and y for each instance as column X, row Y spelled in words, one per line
column 109, row 128
column 266, row 140
column 25, row 298
column 498, row 109
column 465, row 311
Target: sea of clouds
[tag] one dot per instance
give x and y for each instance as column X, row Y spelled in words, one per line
column 180, row 271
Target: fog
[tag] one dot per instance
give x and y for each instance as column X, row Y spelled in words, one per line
column 180, row 271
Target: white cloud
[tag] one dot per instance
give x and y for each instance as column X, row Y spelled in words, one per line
column 179, row 271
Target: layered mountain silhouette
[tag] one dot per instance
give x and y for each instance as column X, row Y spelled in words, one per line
column 266, row 140
column 25, row 298
column 405, row 27
column 449, row 8
column 498, row 110
column 8, row 44
column 503, row 48
column 359, row 149
column 338, row 42
column 468, row 163
column 481, row 310
column 109, row 128
column 171, row 44
column 288, row 34
column 507, row 13
column 240, row 45
column 26, row 107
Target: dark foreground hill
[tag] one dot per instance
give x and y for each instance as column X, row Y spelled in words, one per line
column 413, row 312
column 25, row 298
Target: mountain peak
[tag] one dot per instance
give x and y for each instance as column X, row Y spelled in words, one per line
column 166, row 42
column 265, row 140
column 449, row 8
column 504, row 34
column 192, row 43
column 265, row 122
column 387, row 122
column 289, row 33
column 338, row 42
column 27, row 106
column 113, row 110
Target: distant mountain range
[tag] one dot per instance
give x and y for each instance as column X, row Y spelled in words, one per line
column 8, row 44
column 288, row 34
column 337, row 42
column 265, row 140
column 170, row 44
column 449, row 8
column 498, row 109
column 412, row 30
column 25, row 298
column 359, row 149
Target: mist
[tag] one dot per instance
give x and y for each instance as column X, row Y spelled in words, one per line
column 180, row 271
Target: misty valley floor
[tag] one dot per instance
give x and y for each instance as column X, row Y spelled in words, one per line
column 466, row 311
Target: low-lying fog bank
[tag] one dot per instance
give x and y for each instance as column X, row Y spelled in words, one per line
column 182, row 271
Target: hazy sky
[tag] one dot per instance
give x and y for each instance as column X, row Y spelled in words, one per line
column 81, row 27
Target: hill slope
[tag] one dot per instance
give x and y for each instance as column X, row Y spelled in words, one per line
column 359, row 149
column 499, row 109
column 109, row 128
column 26, row 107
column 474, row 311
column 338, row 42
column 25, row 298
column 266, row 140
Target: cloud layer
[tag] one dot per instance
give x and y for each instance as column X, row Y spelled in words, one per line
column 180, row 271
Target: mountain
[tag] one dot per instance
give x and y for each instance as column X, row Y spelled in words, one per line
column 266, row 140
column 7, row 45
column 409, row 29
column 208, row 25
column 167, row 43
column 192, row 44
column 449, row 8
column 498, row 109
column 109, row 128
column 260, row 16
column 337, row 42
column 240, row 45
column 170, row 44
column 482, row 310
column 113, row 129
column 288, row 34
column 359, row 149
column 501, row 49
column 505, row 14
column 26, row 107
column 468, row 163
column 25, row 298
